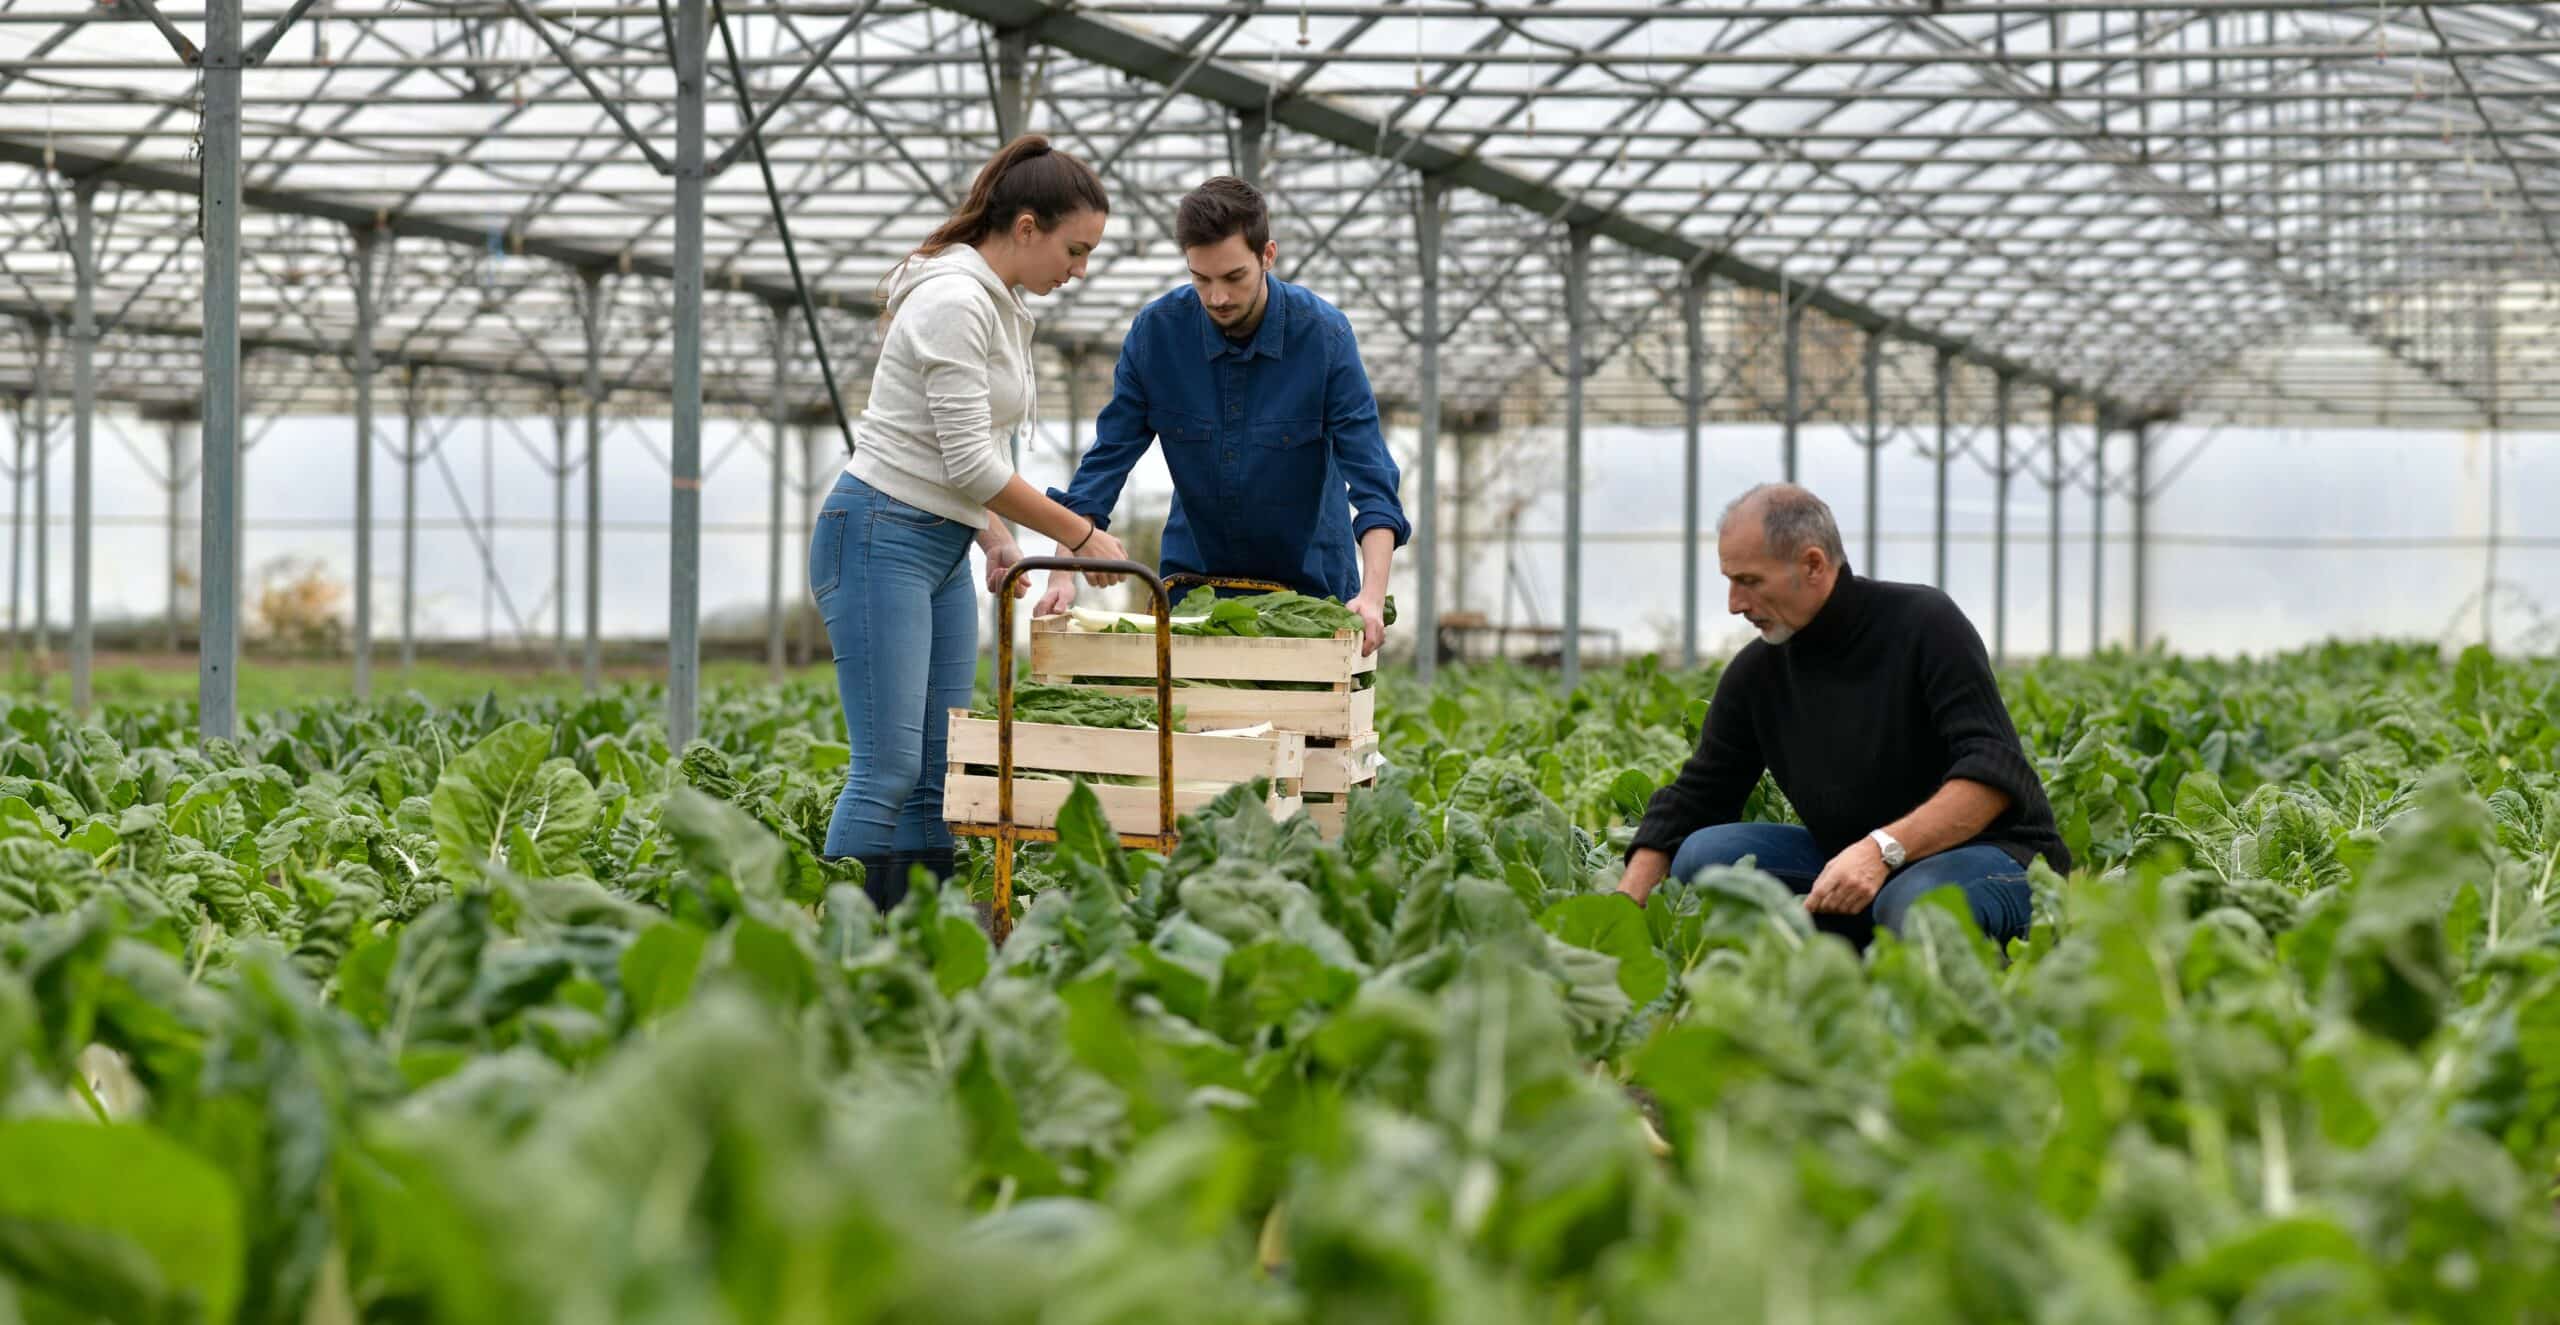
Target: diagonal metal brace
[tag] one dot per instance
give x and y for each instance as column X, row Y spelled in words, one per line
column 177, row 40
column 656, row 159
column 259, row 49
column 747, row 136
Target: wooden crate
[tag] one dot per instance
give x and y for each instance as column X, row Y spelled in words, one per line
column 1204, row 767
column 1328, row 814
column 1125, row 664
column 1337, row 764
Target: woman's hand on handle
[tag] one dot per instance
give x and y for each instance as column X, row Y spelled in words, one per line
column 1076, row 535
column 1057, row 596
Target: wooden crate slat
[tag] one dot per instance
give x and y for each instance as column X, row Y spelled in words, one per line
column 1063, row 653
column 1056, row 747
column 1334, row 769
column 1307, row 712
column 971, row 798
column 1328, row 817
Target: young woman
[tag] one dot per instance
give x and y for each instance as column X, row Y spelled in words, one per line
column 889, row 556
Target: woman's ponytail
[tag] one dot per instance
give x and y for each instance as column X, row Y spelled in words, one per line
column 1027, row 175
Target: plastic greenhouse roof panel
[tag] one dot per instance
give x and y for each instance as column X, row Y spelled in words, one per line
column 1923, row 171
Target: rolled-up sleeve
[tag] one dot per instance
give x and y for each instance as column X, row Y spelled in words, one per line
column 1716, row 783
column 952, row 341
column 1965, row 706
column 1359, row 442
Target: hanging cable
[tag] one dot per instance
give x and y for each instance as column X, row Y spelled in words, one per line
column 781, row 223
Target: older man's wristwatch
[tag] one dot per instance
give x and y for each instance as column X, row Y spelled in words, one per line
column 1892, row 850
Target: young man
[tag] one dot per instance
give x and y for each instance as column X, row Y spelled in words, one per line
column 1256, row 390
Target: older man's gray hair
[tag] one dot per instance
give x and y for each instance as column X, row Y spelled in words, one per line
column 1791, row 519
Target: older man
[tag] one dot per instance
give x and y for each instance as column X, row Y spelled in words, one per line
column 1874, row 706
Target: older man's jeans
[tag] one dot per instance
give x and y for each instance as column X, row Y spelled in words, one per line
column 1994, row 885
column 892, row 584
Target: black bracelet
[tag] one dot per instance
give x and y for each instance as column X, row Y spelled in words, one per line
column 1090, row 525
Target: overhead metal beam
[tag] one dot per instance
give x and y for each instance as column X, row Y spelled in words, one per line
column 408, row 225
column 1115, row 45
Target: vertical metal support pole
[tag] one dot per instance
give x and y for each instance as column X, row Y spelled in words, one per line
column 1075, row 405
column 814, row 484
column 1252, row 129
column 177, row 484
column 2053, row 549
column 84, row 410
column 364, row 370
column 17, row 529
column 2141, row 532
column 1874, row 372
column 1426, row 648
column 1461, row 542
column 43, row 334
column 1577, row 296
column 2489, row 376
column 2098, row 531
column 591, row 318
column 684, row 561
column 781, row 475
column 1693, row 408
column 560, row 429
column 2000, row 526
column 409, row 458
column 218, row 652
column 1946, row 455
column 1013, row 107
column 1795, row 380
column 488, row 520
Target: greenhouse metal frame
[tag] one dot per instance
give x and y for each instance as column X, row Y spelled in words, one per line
column 2014, row 233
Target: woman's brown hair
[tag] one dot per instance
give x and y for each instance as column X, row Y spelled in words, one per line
column 1028, row 175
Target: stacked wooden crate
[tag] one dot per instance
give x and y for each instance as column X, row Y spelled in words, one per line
column 1048, row 757
column 1337, row 725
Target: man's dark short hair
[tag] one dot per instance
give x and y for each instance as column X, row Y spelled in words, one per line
column 1221, row 207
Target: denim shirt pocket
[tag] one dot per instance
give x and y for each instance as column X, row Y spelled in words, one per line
column 1287, row 434
column 1177, row 428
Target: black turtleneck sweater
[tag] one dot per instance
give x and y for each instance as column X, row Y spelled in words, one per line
column 1880, row 700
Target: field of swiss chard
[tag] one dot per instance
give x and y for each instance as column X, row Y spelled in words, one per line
column 510, row 1013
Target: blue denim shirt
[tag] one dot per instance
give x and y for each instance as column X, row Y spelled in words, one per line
column 1265, row 441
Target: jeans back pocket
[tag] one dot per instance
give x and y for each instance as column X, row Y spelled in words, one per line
column 826, row 552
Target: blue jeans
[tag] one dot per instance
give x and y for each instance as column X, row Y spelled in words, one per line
column 1994, row 885
column 892, row 584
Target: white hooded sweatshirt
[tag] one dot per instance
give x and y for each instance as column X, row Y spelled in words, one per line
column 953, row 383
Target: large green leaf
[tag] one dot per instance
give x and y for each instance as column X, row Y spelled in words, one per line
column 506, row 801
column 118, row 1222
column 1614, row 926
